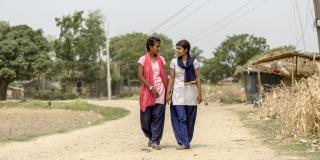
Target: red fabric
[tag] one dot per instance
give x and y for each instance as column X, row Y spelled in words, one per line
column 146, row 96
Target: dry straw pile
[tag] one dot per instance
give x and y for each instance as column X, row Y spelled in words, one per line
column 296, row 110
column 229, row 93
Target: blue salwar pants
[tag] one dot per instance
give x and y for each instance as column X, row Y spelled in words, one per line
column 152, row 122
column 183, row 119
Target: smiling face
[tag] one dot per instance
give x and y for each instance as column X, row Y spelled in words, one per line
column 155, row 48
column 182, row 48
column 153, row 45
column 180, row 51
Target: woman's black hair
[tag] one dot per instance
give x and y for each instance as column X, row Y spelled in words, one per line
column 184, row 44
column 152, row 41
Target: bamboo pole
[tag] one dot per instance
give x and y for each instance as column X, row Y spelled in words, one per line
column 296, row 72
column 293, row 71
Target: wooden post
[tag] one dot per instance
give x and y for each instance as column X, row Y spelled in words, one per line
column 316, row 4
column 293, row 71
column 296, row 71
column 260, row 89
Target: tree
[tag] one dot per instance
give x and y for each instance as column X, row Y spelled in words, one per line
column 125, row 50
column 196, row 53
column 79, row 46
column 23, row 54
column 234, row 51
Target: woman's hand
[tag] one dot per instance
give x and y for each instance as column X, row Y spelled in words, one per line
column 168, row 98
column 155, row 93
column 199, row 98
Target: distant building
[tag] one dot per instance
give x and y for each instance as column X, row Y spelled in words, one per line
column 273, row 69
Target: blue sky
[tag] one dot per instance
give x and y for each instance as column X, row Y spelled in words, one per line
column 276, row 20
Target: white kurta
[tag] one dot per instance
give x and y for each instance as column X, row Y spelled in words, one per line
column 183, row 94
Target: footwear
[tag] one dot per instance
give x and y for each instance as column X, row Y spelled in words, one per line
column 155, row 146
column 149, row 143
column 183, row 147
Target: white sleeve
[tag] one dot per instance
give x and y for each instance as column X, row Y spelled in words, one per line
column 196, row 64
column 172, row 65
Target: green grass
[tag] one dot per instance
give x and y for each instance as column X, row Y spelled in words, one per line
column 108, row 113
column 133, row 97
column 266, row 129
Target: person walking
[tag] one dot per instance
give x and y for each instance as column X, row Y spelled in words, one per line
column 151, row 72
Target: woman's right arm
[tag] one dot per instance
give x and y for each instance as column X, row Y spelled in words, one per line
column 145, row 82
column 141, row 78
column 170, row 85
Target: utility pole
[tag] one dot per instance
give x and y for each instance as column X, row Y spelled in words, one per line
column 108, row 64
column 316, row 4
column 99, row 80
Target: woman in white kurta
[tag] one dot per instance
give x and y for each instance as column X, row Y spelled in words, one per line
column 184, row 93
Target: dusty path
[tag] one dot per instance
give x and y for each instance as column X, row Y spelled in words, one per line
column 219, row 135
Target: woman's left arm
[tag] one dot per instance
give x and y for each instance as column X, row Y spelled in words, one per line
column 198, row 83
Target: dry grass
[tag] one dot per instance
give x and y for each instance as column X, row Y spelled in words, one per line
column 296, row 110
column 227, row 93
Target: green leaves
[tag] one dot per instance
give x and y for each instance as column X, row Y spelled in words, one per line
column 20, row 46
column 195, row 52
column 7, row 73
column 79, row 45
column 23, row 54
column 234, row 51
column 126, row 50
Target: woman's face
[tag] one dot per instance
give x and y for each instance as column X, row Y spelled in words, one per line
column 155, row 48
column 180, row 51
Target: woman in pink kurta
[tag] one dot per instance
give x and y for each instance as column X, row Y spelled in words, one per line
column 152, row 75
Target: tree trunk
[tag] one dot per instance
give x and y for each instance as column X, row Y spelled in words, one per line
column 3, row 90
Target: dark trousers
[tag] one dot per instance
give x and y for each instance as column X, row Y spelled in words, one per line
column 152, row 122
column 183, row 119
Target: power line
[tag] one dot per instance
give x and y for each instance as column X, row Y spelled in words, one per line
column 186, row 16
column 171, row 17
column 311, row 9
column 232, row 21
column 312, row 14
column 223, row 19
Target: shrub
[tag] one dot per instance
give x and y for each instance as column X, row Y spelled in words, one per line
column 46, row 95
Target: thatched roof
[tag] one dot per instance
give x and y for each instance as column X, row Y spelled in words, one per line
column 282, row 63
column 15, row 88
column 278, row 55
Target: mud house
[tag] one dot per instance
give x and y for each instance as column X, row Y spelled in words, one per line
column 276, row 68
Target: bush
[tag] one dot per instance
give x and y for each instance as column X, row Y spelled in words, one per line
column 45, row 95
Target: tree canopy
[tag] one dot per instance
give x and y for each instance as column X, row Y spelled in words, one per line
column 23, row 54
column 125, row 50
column 234, row 51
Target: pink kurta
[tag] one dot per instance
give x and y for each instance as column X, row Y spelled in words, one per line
column 158, row 84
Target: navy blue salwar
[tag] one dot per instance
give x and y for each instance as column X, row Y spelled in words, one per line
column 152, row 122
column 183, row 118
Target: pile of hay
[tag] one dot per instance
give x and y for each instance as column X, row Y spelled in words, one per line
column 228, row 93
column 296, row 110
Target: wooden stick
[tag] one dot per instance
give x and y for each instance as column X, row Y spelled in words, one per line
column 259, row 83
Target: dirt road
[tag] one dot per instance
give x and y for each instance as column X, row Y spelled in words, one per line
column 219, row 135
